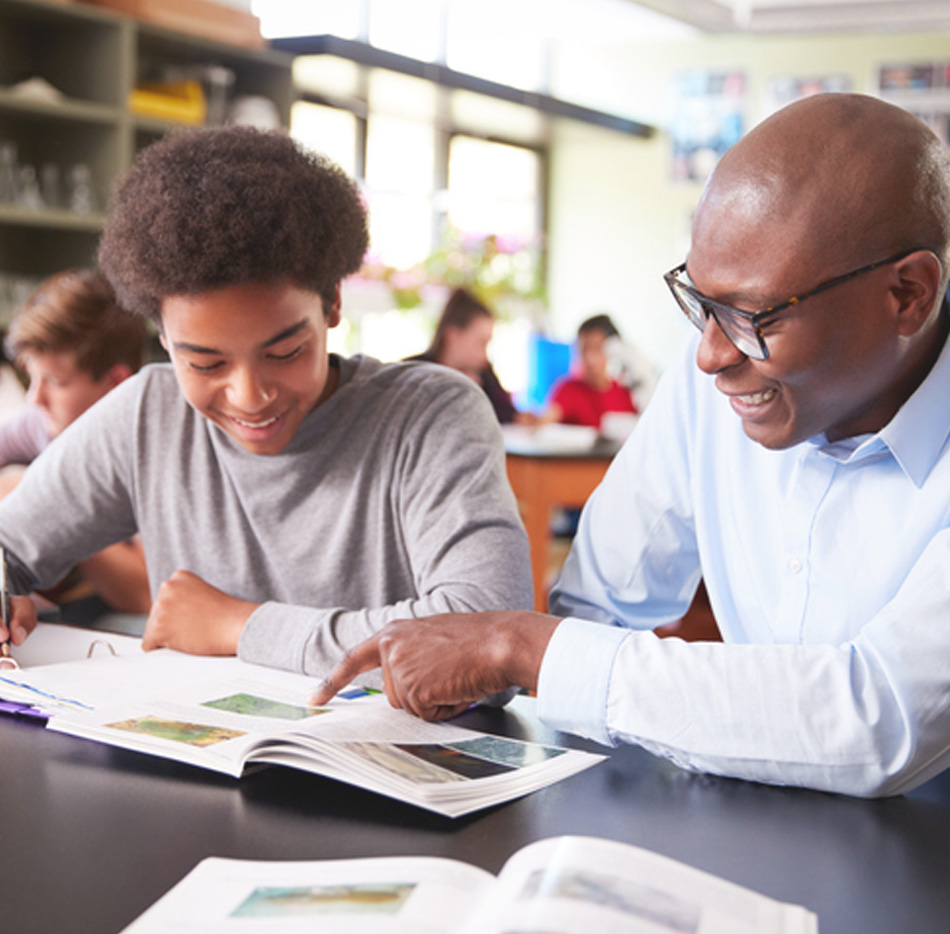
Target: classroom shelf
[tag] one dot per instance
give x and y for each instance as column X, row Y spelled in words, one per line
column 94, row 58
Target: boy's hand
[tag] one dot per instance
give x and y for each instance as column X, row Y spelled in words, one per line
column 438, row 666
column 22, row 621
column 192, row 616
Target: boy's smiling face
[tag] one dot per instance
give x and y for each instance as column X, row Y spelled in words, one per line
column 252, row 358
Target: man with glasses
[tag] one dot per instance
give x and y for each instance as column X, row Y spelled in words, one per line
column 801, row 467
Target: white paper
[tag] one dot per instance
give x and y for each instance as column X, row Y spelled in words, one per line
column 575, row 885
column 567, row 885
column 369, row 896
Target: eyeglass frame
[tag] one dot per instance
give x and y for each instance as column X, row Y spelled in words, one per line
column 758, row 319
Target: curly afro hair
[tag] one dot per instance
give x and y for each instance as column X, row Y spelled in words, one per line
column 207, row 209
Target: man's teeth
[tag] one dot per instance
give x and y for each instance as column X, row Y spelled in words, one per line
column 757, row 398
column 269, row 421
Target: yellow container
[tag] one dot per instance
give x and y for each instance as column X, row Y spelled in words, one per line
column 180, row 101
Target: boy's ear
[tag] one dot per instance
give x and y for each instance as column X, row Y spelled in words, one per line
column 117, row 373
column 333, row 312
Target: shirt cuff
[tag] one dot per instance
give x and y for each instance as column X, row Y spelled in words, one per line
column 574, row 680
column 276, row 635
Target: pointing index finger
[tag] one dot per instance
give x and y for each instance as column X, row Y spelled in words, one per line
column 357, row 661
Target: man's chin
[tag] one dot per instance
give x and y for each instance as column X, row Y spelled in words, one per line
column 773, row 438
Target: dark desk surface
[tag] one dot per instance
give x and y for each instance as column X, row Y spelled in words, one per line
column 90, row 836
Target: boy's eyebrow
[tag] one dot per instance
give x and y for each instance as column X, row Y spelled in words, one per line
column 301, row 325
column 276, row 339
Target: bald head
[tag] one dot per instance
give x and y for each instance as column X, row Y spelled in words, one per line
column 846, row 177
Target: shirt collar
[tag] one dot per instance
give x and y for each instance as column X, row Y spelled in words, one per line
column 917, row 434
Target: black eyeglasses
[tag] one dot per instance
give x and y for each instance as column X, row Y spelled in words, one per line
column 744, row 328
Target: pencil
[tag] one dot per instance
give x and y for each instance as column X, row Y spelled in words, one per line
column 4, row 604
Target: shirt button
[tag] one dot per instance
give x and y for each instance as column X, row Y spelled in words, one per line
column 794, row 565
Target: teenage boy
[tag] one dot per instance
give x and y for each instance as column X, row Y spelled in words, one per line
column 290, row 501
column 75, row 344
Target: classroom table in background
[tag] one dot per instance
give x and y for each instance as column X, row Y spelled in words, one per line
column 546, row 474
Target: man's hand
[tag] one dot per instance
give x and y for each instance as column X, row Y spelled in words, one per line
column 437, row 667
column 22, row 621
column 192, row 616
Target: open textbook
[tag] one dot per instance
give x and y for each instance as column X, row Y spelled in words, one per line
column 224, row 714
column 564, row 885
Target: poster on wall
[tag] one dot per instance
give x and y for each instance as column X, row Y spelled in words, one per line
column 783, row 89
column 708, row 117
column 923, row 88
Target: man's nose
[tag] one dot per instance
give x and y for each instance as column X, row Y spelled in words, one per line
column 716, row 352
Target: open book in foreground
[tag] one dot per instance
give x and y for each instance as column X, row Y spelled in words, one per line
column 564, row 885
column 224, row 714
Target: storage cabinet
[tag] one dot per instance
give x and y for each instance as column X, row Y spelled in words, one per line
column 70, row 129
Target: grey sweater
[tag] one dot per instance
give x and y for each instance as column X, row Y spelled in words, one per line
column 390, row 502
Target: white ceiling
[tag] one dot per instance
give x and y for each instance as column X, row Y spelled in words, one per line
column 806, row 16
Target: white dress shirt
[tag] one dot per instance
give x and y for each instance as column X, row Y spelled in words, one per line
column 828, row 570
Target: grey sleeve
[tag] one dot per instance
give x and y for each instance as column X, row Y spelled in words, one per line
column 459, row 534
column 20, row 435
column 74, row 499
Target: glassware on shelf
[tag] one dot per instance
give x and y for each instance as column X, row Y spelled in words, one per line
column 81, row 199
column 219, row 81
column 9, row 186
column 50, row 185
column 28, row 195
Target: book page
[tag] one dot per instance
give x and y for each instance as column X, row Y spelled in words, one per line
column 225, row 723
column 359, row 896
column 223, row 714
column 107, row 681
column 575, row 885
column 163, row 706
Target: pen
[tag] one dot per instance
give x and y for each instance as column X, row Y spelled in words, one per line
column 6, row 659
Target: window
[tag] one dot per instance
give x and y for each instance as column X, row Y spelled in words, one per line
column 436, row 187
column 494, row 188
column 330, row 130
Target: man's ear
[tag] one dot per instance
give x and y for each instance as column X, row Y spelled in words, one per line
column 916, row 290
column 333, row 312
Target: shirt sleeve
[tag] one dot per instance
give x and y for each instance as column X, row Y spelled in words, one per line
column 870, row 717
column 463, row 542
column 22, row 436
column 75, row 498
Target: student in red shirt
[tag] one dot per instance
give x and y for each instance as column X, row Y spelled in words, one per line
column 585, row 398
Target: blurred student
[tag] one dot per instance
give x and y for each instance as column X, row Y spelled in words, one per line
column 593, row 391
column 75, row 344
column 461, row 342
